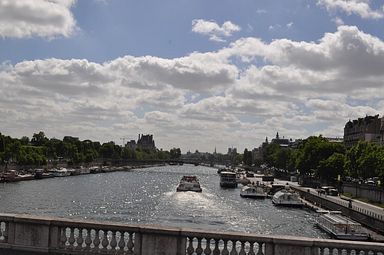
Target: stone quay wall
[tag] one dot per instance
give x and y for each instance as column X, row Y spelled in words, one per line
column 372, row 193
column 31, row 235
column 365, row 217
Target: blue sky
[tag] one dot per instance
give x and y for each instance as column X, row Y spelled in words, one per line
column 197, row 74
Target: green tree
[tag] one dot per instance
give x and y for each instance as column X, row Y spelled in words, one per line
column 330, row 168
column 175, row 153
column 314, row 150
column 39, row 139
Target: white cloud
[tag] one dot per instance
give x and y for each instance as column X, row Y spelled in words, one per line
column 338, row 21
column 289, row 25
column 358, row 7
column 43, row 18
column 214, row 31
column 296, row 88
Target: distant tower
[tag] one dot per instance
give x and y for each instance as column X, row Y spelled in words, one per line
column 266, row 139
column 277, row 135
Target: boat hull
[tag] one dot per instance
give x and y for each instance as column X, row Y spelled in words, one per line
column 339, row 236
column 185, row 190
column 298, row 205
column 253, row 196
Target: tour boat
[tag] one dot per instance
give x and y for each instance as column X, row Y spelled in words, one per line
column 189, row 183
column 287, row 198
column 341, row 227
column 228, row 179
column 252, row 191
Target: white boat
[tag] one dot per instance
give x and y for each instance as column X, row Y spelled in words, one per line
column 341, row 227
column 62, row 172
column 251, row 191
column 228, row 179
column 189, row 183
column 287, row 198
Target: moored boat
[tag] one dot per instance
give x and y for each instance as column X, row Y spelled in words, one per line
column 228, row 179
column 287, row 198
column 189, row 183
column 341, row 227
column 62, row 172
column 251, row 191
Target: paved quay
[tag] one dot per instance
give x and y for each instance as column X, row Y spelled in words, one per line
column 368, row 209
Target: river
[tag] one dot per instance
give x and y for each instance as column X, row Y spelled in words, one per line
column 148, row 196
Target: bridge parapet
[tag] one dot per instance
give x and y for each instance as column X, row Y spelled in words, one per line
column 25, row 234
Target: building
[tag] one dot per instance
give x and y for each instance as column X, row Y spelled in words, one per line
column 131, row 145
column 282, row 142
column 146, row 142
column 368, row 129
column 232, row 152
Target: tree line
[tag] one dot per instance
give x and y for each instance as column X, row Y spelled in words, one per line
column 327, row 161
column 39, row 149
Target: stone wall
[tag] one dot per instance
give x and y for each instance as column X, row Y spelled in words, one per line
column 365, row 217
column 372, row 193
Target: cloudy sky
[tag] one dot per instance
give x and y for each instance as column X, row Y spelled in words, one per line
column 197, row 74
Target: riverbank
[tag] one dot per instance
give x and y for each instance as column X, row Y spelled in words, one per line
column 38, row 173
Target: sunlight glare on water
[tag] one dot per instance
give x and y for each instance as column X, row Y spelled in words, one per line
column 148, row 196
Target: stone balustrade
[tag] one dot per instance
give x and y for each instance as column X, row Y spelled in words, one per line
column 25, row 234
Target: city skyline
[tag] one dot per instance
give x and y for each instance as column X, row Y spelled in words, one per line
column 195, row 74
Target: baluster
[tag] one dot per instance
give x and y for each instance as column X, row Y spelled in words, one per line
column 96, row 240
column 71, row 239
column 63, row 237
column 335, row 251
column 105, row 242
column 5, row 232
column 80, row 240
column 234, row 250
column 207, row 250
column 216, row 251
column 121, row 243
column 225, row 249
column 190, row 248
column 88, row 240
column 199, row 249
column 242, row 250
column 260, row 249
column 251, row 248
column 1, row 232
column 113, row 242
column 130, row 244
column 321, row 251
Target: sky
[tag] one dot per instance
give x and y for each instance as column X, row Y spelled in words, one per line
column 198, row 75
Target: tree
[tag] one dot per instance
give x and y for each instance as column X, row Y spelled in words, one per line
column 175, row 153
column 314, row 150
column 365, row 160
column 330, row 168
column 39, row 139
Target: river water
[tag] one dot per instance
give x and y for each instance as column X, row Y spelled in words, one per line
column 148, row 196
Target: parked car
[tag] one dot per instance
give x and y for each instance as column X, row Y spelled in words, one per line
column 330, row 190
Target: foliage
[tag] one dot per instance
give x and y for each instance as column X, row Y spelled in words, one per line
column 314, row 150
column 365, row 160
column 39, row 150
column 175, row 153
